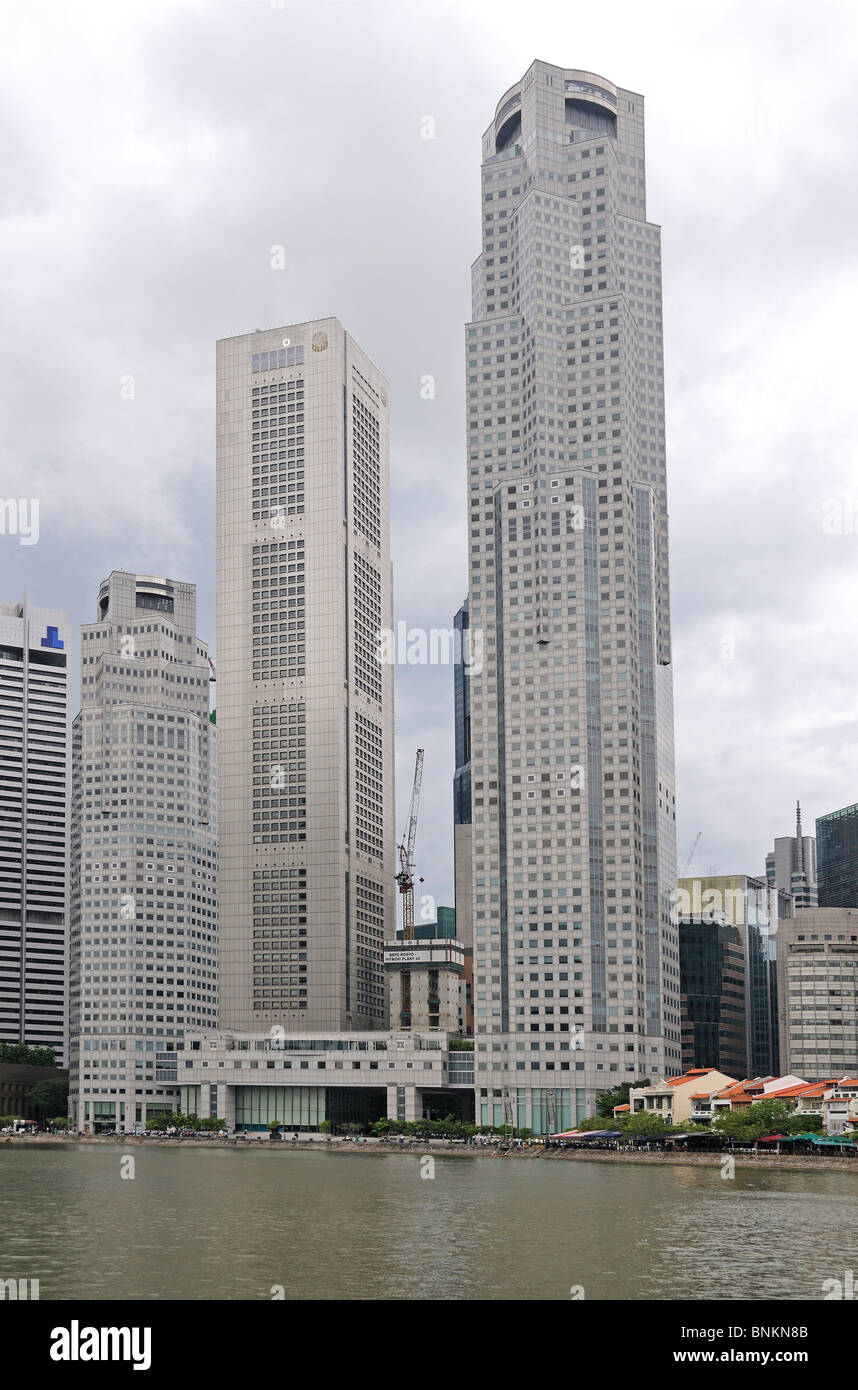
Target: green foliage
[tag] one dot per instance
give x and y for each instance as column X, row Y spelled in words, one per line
column 23, row 1055
column 461, row 1044
column 449, row 1128
column 733, row 1125
column 618, row 1095
column 777, row 1115
column 646, row 1124
column 48, row 1095
column 60, row 1122
column 802, row 1124
column 176, row 1120
column 324, row 1126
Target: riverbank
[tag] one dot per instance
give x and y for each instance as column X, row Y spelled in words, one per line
column 764, row 1162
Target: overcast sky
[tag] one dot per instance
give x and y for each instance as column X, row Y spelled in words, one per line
column 152, row 155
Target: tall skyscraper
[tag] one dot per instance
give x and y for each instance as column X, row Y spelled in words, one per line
column 35, row 648
column 143, row 918
column 791, row 865
column 837, row 848
column 305, row 707
column 462, row 828
column 574, row 858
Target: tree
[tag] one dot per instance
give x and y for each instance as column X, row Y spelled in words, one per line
column 48, row 1096
column 645, row 1124
column 324, row 1126
column 22, row 1055
column 618, row 1095
column 731, row 1124
column 594, row 1122
column 776, row 1115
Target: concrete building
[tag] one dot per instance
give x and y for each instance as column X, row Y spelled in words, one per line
column 738, row 1096
column 143, row 914
column 35, row 651
column 571, row 714
column 713, row 999
column 758, row 912
column 818, row 992
column 426, row 978
column 791, row 865
column 837, row 849
column 300, row 1080
column 840, row 1106
column 673, row 1098
column 305, row 706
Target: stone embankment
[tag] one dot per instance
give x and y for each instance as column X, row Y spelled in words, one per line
column 440, row 1149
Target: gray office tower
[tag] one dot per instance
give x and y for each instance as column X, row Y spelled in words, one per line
column 572, row 766
column 791, row 865
column 35, row 649
column 305, row 706
column 143, row 902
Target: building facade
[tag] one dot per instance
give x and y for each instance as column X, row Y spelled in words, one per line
column 143, row 901
column 837, row 851
column 572, row 765
column 305, row 706
column 35, row 651
column 675, row 1098
column 757, row 911
column 818, row 993
column 791, row 865
column 462, row 827
column 300, row 1080
column 712, row 980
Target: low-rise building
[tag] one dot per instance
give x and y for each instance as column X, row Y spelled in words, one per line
column 840, row 1106
column 301, row 1080
column 672, row 1098
column 740, row 1095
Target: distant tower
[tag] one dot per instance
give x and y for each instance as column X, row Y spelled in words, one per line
column 791, row 865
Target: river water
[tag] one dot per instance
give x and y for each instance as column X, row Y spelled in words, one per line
column 204, row 1224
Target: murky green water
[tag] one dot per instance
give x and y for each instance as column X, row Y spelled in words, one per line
column 200, row 1224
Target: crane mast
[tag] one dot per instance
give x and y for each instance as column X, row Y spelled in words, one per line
column 405, row 877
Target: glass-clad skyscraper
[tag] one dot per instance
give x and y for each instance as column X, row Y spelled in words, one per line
column 837, row 851
column 576, row 956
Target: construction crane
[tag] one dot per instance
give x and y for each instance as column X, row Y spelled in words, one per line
column 684, row 873
column 213, row 676
column 405, row 877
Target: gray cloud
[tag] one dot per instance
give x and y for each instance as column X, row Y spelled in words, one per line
column 155, row 153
